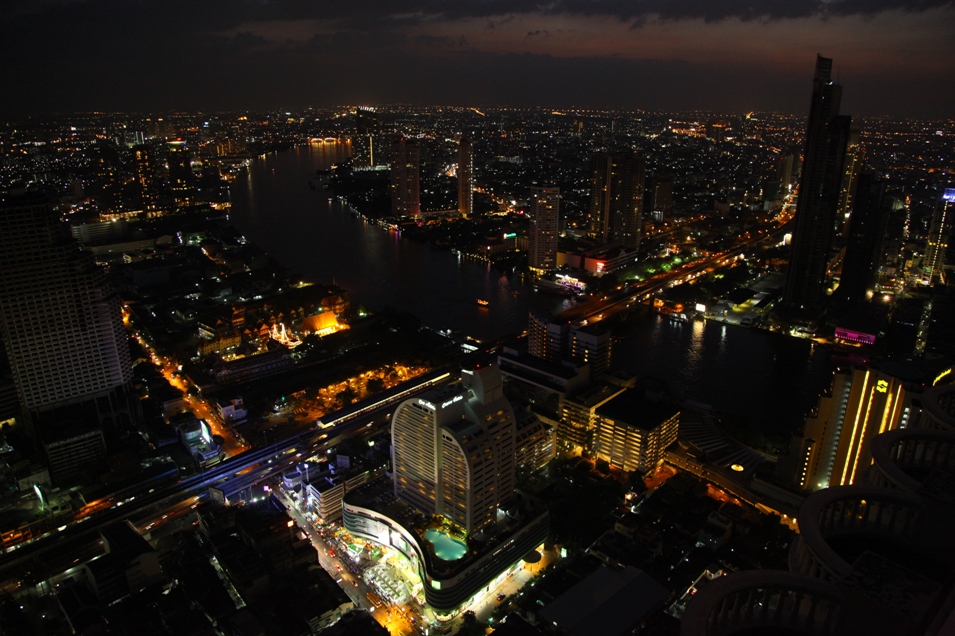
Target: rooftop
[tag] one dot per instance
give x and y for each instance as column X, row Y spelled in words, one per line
column 631, row 408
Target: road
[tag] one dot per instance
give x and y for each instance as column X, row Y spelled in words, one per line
column 602, row 307
column 260, row 463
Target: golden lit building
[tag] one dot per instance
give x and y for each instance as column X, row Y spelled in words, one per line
column 633, row 433
column 834, row 448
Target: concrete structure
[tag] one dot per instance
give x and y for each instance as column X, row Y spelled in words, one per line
column 834, row 447
column 938, row 257
column 865, row 233
column 616, row 197
column 545, row 221
column 521, row 528
column 453, row 449
column 578, row 417
column 826, row 137
column 559, row 340
column 872, row 559
column 609, row 602
column 69, row 452
column 535, row 443
column 465, row 174
column 405, row 177
column 938, row 403
column 60, row 321
column 633, row 433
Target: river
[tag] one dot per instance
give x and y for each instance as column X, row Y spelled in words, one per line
column 766, row 380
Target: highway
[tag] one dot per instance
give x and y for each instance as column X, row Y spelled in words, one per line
column 251, row 466
column 602, row 307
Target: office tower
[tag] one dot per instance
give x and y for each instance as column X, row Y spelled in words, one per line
column 662, row 196
column 405, row 176
column 940, row 238
column 545, row 219
column 866, row 231
column 180, row 164
column 616, row 197
column 855, row 158
column 465, row 178
column 366, row 127
column 633, row 433
column 834, row 447
column 61, row 323
column 824, row 161
column 454, row 449
column 145, row 170
column 784, row 172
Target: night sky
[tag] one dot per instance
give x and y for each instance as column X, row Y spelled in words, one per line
column 895, row 57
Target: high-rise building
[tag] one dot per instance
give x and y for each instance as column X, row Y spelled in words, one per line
column 405, row 177
column 465, row 178
column 940, row 238
column 662, row 193
column 834, row 447
column 180, row 164
column 454, row 449
column 827, row 134
column 855, row 158
column 616, row 197
column 545, row 219
column 144, row 164
column 61, row 323
column 866, row 231
column 366, row 127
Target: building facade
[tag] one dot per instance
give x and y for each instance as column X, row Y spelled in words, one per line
column 865, row 237
column 616, row 197
column 405, row 177
column 545, row 221
column 465, row 178
column 937, row 256
column 834, row 447
column 453, row 449
column 827, row 135
column 633, row 433
column 61, row 322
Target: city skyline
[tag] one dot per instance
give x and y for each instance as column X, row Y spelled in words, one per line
column 895, row 58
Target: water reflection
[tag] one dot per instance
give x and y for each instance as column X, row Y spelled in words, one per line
column 768, row 379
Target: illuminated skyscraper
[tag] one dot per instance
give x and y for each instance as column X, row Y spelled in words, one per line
column 940, row 238
column 834, row 447
column 545, row 220
column 454, row 449
column 616, row 197
column 465, row 178
column 855, row 158
column 827, row 134
column 61, row 323
column 405, row 177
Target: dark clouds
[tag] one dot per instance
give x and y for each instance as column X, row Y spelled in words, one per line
column 64, row 55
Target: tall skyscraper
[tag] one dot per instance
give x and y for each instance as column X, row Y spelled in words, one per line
column 454, row 450
column 866, row 231
column 405, row 177
column 61, row 323
column 465, row 178
column 545, row 220
column 937, row 256
column 855, row 158
column 827, row 134
column 366, row 127
column 616, row 197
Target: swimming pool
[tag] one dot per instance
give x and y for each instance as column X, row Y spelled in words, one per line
column 446, row 548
